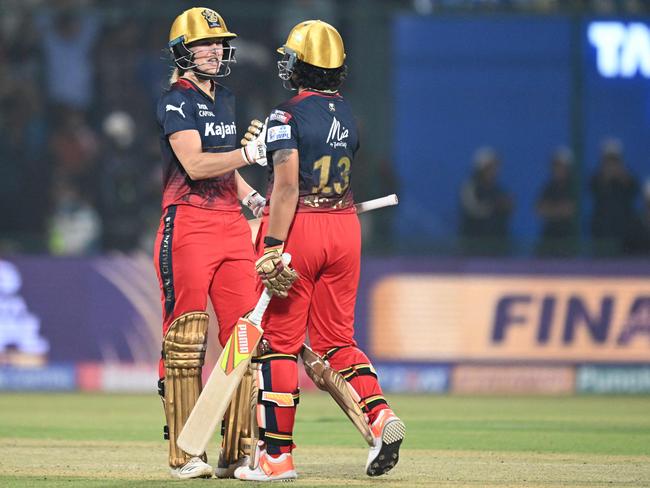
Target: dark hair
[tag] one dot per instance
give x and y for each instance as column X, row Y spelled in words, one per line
column 310, row 76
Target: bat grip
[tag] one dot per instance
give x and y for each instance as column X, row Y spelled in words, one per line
column 260, row 308
column 265, row 299
column 386, row 201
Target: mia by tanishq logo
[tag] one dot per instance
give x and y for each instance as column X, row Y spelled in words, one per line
column 337, row 134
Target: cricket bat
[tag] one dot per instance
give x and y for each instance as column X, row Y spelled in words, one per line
column 224, row 379
column 362, row 207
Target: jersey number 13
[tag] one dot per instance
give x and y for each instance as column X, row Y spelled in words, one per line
column 333, row 179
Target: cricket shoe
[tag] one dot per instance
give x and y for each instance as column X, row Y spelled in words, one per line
column 194, row 468
column 269, row 469
column 224, row 470
column 388, row 431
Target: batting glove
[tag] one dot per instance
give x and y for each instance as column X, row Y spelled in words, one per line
column 254, row 150
column 255, row 202
column 277, row 277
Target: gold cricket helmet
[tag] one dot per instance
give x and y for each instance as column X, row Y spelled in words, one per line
column 197, row 24
column 317, row 43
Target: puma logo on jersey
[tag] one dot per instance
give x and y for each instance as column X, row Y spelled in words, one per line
column 172, row 108
column 337, row 134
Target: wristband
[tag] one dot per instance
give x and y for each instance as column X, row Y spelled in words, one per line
column 272, row 242
column 245, row 156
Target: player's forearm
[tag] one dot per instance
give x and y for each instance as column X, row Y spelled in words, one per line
column 283, row 209
column 243, row 188
column 209, row 165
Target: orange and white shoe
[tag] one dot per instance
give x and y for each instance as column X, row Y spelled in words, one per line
column 388, row 431
column 269, row 469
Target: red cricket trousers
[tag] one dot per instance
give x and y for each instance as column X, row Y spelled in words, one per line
column 326, row 253
column 201, row 253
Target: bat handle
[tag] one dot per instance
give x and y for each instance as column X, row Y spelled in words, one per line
column 386, row 201
column 263, row 302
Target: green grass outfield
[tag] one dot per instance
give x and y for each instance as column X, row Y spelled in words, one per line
column 62, row 440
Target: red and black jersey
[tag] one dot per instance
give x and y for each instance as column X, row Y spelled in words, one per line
column 186, row 107
column 323, row 129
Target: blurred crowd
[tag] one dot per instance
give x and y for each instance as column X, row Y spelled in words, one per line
column 79, row 151
column 619, row 221
column 79, row 155
column 79, row 174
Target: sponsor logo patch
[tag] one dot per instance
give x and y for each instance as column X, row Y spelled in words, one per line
column 204, row 111
column 242, row 337
column 241, row 343
column 280, row 116
column 337, row 134
column 278, row 133
column 280, row 399
column 211, row 18
column 214, row 129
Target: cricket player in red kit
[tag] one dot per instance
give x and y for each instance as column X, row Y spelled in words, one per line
column 203, row 247
column 311, row 142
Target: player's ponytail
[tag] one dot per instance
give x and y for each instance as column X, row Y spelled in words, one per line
column 176, row 74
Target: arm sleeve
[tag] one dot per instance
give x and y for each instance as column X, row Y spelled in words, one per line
column 176, row 113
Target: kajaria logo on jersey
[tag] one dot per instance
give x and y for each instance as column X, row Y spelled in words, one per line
column 223, row 130
column 337, row 134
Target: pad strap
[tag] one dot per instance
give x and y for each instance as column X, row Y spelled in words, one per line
column 333, row 351
column 275, row 438
column 272, row 356
column 358, row 370
column 368, row 403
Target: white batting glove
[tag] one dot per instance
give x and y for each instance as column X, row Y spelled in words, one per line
column 254, row 150
column 255, row 202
